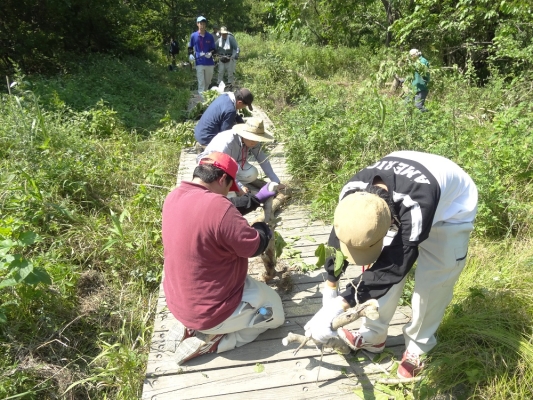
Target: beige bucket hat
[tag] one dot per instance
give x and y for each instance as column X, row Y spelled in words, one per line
column 254, row 129
column 361, row 222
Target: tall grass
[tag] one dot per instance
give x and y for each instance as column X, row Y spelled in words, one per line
column 485, row 347
column 346, row 117
column 77, row 175
column 86, row 159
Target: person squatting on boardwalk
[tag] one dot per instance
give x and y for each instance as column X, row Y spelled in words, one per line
column 222, row 114
column 228, row 52
column 241, row 142
column 201, row 49
column 424, row 205
column 207, row 243
column 420, row 80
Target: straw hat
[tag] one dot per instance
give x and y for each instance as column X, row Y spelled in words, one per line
column 253, row 129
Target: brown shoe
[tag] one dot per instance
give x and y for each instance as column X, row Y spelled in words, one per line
column 196, row 346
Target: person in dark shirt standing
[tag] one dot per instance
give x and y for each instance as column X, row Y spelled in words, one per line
column 409, row 206
column 173, row 49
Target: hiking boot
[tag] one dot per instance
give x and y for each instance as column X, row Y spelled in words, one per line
column 355, row 341
column 410, row 366
column 177, row 334
column 196, row 346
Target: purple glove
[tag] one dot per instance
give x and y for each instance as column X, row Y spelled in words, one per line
column 264, row 193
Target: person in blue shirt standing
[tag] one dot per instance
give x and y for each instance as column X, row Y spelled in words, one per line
column 201, row 49
column 421, row 79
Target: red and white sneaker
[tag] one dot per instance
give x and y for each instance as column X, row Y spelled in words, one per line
column 177, row 334
column 195, row 346
column 355, row 341
column 410, row 366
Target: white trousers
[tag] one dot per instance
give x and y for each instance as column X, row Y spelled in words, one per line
column 248, row 173
column 442, row 257
column 228, row 67
column 238, row 327
column 204, row 74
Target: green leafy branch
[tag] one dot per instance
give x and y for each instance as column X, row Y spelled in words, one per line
column 324, row 251
column 15, row 269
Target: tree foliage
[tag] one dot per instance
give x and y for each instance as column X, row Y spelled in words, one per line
column 472, row 34
column 41, row 34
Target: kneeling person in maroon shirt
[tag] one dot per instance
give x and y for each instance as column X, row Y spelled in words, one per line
column 207, row 243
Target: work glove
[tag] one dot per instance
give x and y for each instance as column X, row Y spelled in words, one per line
column 191, row 58
column 319, row 327
column 266, row 192
column 208, row 55
column 328, row 294
column 329, row 266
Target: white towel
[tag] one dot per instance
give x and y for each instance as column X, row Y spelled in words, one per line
column 226, row 45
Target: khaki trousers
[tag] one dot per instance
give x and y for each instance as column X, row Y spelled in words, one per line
column 442, row 257
column 238, row 327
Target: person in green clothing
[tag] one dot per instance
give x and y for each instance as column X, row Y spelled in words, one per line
column 421, row 79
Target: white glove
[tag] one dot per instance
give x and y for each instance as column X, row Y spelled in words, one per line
column 319, row 327
column 191, row 57
column 208, row 55
column 202, row 54
column 328, row 294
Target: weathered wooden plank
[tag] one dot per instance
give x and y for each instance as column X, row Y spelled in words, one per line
column 232, row 375
column 246, row 378
column 293, row 324
column 161, row 363
column 339, row 389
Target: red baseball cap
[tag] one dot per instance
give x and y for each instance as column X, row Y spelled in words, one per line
column 224, row 162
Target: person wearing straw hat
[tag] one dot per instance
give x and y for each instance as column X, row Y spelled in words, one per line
column 240, row 142
column 228, row 52
column 407, row 207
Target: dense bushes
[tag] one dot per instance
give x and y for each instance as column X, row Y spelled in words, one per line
column 341, row 124
column 348, row 120
column 80, row 222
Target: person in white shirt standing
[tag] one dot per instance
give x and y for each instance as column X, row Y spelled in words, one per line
column 228, row 52
column 407, row 207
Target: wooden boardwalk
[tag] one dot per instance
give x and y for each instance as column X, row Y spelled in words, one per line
column 265, row 369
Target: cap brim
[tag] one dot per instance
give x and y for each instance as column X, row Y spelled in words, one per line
column 234, row 187
column 250, row 107
column 362, row 256
column 265, row 137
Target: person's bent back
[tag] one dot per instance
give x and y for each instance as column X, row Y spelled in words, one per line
column 207, row 243
column 221, row 115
